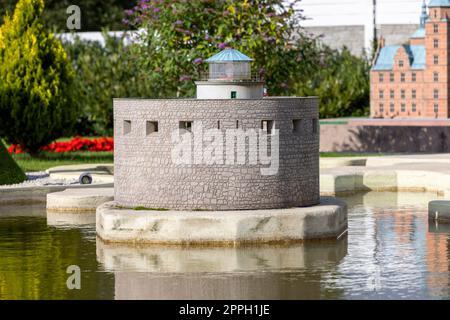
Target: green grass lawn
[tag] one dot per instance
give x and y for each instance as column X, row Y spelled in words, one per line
column 48, row 159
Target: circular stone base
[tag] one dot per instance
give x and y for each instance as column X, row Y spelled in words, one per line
column 325, row 221
column 439, row 210
column 79, row 200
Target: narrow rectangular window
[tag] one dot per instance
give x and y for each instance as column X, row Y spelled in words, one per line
column 218, row 124
column 381, row 107
column 436, row 108
column 400, row 63
column 402, row 77
column 414, row 107
column 126, row 126
column 381, row 94
column 391, row 77
column 436, row 59
column 268, row 126
column 436, row 94
column 297, row 125
column 403, row 107
column 151, row 127
column 381, row 77
column 233, row 94
column 392, row 94
column 435, row 43
column 315, row 126
column 403, row 94
column 413, row 94
column 436, row 77
column 186, row 125
column 413, row 77
column 436, row 28
column 392, row 107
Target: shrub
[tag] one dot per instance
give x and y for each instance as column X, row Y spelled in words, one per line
column 341, row 81
column 10, row 172
column 36, row 102
column 103, row 73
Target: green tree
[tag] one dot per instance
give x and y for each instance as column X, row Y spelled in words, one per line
column 103, row 72
column 179, row 34
column 341, row 81
column 36, row 102
column 10, row 172
column 95, row 14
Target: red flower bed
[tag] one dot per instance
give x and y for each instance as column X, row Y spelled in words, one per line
column 76, row 144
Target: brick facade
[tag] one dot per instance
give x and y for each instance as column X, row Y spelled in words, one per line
column 402, row 87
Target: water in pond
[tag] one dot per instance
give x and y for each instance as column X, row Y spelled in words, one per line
column 391, row 252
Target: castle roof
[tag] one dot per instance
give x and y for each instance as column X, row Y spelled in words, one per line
column 229, row 55
column 420, row 33
column 386, row 57
column 439, row 3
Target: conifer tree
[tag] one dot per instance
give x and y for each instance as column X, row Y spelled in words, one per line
column 36, row 78
column 10, row 172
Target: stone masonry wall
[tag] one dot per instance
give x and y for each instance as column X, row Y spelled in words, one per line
column 146, row 175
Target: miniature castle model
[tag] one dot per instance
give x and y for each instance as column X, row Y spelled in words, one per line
column 412, row 80
column 163, row 157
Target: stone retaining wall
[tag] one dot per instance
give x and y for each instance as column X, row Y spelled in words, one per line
column 146, row 175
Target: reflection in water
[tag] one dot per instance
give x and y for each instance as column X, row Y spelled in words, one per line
column 34, row 258
column 391, row 252
column 292, row 272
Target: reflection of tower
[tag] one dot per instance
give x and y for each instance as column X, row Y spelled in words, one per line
column 230, row 77
column 264, row 272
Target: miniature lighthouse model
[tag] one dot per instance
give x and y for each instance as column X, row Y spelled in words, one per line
column 230, row 77
column 218, row 168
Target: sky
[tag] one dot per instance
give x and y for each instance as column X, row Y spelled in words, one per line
column 359, row 12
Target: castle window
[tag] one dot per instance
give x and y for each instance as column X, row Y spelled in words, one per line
column 403, row 94
column 436, row 94
column 391, row 107
column 381, row 77
column 436, row 77
column 297, row 125
column 403, row 107
column 436, row 59
column 381, row 107
column 413, row 77
column 268, row 126
column 186, row 126
column 392, row 94
column 413, row 93
column 436, row 28
column 402, row 77
column 237, row 124
column 400, row 63
column 315, row 125
column 381, row 94
column 151, row 127
column 436, row 107
column 233, row 94
column 391, row 77
column 435, row 43
column 218, row 124
column 126, row 126
column 413, row 107
column 435, row 13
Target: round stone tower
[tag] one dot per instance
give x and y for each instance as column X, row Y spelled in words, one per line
column 229, row 149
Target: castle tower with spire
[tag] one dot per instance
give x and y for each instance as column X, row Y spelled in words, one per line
column 412, row 80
